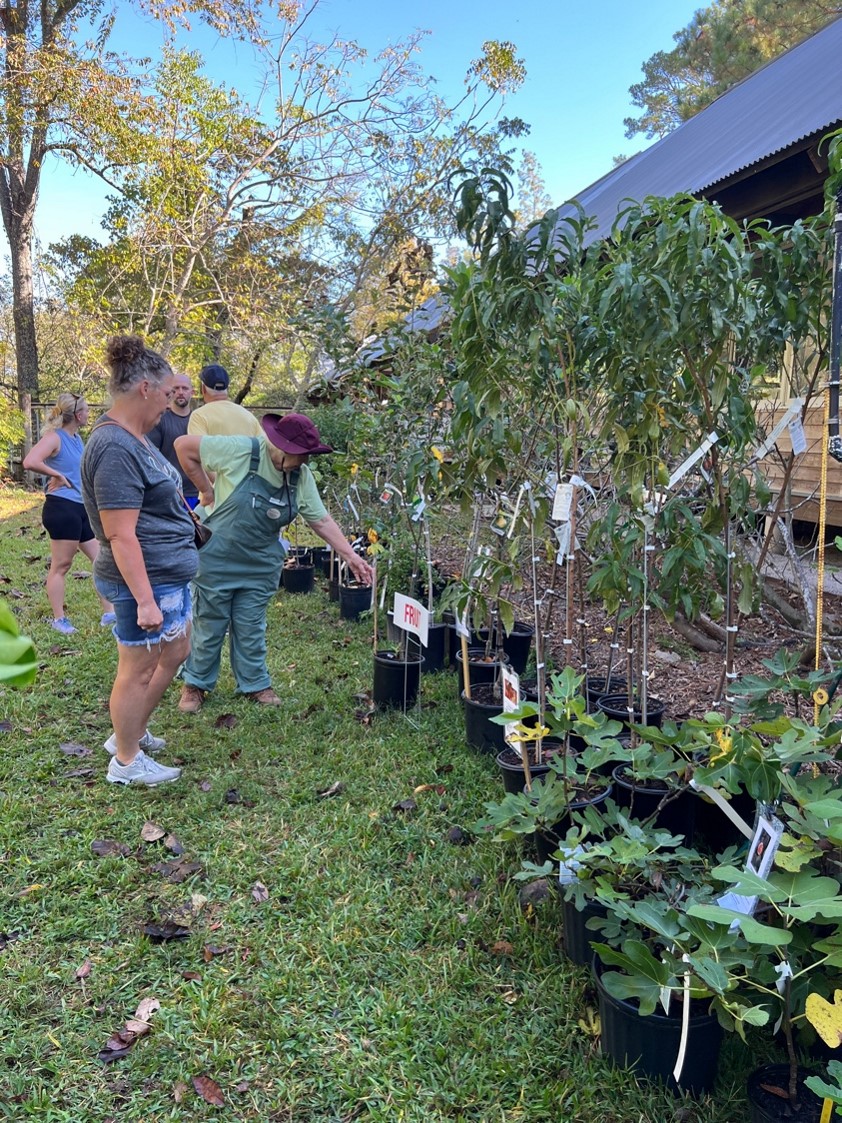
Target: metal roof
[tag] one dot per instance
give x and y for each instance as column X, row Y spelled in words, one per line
column 789, row 99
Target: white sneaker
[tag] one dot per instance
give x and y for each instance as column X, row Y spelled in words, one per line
column 148, row 743
column 142, row 770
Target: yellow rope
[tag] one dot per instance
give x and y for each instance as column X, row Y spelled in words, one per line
column 820, row 556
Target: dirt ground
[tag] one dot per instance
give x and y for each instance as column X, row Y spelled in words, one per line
column 686, row 679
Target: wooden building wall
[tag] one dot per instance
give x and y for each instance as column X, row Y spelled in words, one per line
column 806, row 473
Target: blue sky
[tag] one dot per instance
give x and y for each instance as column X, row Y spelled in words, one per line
column 581, row 57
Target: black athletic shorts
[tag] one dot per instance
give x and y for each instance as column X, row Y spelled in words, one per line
column 65, row 520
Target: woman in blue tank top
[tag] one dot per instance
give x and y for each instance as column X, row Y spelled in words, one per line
column 58, row 456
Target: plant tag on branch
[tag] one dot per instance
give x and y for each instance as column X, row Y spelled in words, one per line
column 694, row 457
column 460, row 623
column 796, row 435
column 793, row 410
column 562, row 503
column 348, row 505
column 417, row 508
column 562, row 533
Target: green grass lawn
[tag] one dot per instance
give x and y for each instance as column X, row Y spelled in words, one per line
column 345, row 961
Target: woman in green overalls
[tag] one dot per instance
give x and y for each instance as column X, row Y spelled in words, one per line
column 259, row 486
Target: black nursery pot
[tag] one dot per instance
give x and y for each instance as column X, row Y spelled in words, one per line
column 480, row 732
column 297, row 579
column 677, row 816
column 517, row 645
column 432, row 656
column 331, row 573
column 395, row 680
column 617, row 706
column 714, row 828
column 575, row 935
column 480, row 672
column 353, row 600
column 649, row 1046
column 546, row 843
column 597, row 686
column 433, row 653
column 454, row 642
column 511, row 767
column 768, row 1107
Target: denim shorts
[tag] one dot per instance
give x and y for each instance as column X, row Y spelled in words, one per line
column 173, row 600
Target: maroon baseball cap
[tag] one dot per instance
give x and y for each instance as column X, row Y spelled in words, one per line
column 293, row 433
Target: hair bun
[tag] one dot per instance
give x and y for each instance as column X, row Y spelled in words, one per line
column 124, row 350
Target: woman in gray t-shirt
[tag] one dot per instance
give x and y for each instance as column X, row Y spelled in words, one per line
column 147, row 556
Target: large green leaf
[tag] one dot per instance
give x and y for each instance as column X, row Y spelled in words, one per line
column 753, row 930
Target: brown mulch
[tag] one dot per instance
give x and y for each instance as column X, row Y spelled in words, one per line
column 689, row 685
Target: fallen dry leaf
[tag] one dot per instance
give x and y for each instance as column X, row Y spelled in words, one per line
column 7, row 938
column 71, row 748
column 121, row 1042
column 191, row 976
column 6, row 727
column 405, row 805
column 502, row 947
column 457, row 837
column 177, row 870
column 108, row 847
column 259, row 892
column 211, row 951
column 209, row 1090
column 167, row 930
column 146, row 1009
column 335, row 789
column 243, row 1086
column 178, row 1090
column 78, row 773
column 151, row 832
column 205, row 786
column 173, row 844
column 225, row 721
column 83, row 971
column 233, row 796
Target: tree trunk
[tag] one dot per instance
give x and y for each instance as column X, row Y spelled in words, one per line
column 19, row 232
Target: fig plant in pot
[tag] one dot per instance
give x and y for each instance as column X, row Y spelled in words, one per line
column 615, row 857
column 798, row 959
column 557, row 725
column 545, row 807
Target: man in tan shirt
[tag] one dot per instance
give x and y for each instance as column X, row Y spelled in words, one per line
column 219, row 416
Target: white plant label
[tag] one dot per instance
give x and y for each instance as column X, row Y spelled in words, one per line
column 797, row 436
column 411, row 616
column 794, row 410
column 511, row 701
column 694, row 458
column 562, row 503
column 562, row 533
column 349, row 506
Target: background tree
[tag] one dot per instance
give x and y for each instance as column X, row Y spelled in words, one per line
column 721, row 45
column 61, row 93
column 233, row 221
column 533, row 200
